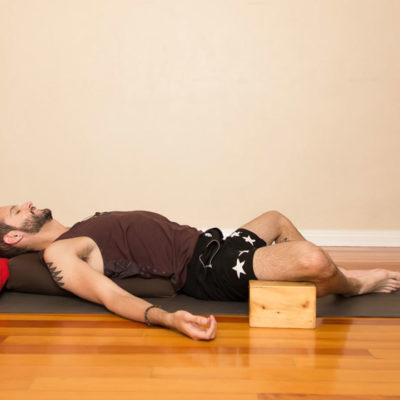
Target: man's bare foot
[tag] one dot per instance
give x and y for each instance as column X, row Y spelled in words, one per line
column 354, row 273
column 375, row 280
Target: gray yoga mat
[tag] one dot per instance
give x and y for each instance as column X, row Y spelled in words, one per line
column 370, row 305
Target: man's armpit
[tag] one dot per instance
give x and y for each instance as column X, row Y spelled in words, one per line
column 55, row 273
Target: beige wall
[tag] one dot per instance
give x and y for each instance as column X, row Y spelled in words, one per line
column 209, row 112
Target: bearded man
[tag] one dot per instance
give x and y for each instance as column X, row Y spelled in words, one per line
column 82, row 258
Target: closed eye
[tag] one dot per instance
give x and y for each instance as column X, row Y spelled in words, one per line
column 12, row 210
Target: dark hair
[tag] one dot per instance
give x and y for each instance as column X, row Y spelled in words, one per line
column 7, row 250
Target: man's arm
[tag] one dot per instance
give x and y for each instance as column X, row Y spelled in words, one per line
column 75, row 275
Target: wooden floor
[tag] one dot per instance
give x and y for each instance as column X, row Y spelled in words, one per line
column 57, row 357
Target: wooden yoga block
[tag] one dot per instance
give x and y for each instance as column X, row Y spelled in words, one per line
column 276, row 304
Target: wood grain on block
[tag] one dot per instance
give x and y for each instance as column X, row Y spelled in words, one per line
column 279, row 304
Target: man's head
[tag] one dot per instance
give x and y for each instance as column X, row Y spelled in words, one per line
column 17, row 225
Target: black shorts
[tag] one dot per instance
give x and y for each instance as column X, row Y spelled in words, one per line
column 221, row 269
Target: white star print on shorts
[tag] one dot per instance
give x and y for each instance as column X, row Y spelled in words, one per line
column 239, row 268
column 248, row 239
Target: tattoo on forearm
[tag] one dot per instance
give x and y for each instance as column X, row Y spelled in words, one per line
column 55, row 274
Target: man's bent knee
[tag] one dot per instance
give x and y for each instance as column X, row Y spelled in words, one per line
column 275, row 217
column 315, row 262
column 275, row 214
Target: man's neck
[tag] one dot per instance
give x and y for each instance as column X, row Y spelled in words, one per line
column 48, row 234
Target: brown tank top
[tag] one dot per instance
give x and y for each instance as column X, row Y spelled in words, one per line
column 140, row 243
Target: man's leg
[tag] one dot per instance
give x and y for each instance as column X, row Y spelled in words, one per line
column 295, row 259
column 272, row 227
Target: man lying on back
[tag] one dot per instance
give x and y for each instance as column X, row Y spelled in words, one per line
column 81, row 259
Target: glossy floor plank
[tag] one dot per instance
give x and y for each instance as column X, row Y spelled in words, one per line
column 341, row 357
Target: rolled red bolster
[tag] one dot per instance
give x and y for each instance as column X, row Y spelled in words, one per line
column 4, row 273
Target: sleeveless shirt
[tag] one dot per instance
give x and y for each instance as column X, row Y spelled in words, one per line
column 140, row 243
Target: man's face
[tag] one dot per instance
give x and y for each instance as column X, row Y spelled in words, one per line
column 25, row 217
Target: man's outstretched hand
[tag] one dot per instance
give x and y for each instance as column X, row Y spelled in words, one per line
column 194, row 326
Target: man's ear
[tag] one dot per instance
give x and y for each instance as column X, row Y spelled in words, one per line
column 13, row 237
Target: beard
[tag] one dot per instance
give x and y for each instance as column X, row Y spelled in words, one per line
column 35, row 223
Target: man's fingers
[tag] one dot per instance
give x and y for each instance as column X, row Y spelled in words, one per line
column 212, row 329
column 196, row 326
column 203, row 332
column 202, row 320
column 196, row 319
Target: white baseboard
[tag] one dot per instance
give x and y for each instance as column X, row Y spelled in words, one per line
column 348, row 238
